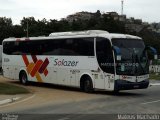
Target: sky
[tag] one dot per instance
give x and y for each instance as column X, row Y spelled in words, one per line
column 147, row 10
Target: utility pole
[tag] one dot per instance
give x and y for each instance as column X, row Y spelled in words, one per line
column 122, row 7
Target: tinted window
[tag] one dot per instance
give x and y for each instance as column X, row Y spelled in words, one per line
column 134, row 57
column 76, row 46
column 84, row 46
column 105, row 55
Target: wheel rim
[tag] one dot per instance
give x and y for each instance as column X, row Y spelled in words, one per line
column 87, row 85
column 24, row 78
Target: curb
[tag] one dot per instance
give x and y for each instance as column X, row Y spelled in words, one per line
column 2, row 102
column 155, row 84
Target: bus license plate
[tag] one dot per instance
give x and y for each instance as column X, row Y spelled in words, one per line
column 136, row 86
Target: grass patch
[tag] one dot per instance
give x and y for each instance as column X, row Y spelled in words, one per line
column 10, row 89
column 154, row 76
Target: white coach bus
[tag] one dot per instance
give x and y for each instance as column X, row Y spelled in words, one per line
column 89, row 60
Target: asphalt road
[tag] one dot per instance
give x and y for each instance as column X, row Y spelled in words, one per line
column 133, row 101
column 146, row 101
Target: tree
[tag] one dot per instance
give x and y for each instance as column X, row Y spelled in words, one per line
column 6, row 28
column 32, row 28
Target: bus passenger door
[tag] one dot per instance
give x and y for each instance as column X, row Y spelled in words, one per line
column 109, row 81
column 99, row 81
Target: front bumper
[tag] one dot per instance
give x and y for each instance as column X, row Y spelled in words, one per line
column 126, row 85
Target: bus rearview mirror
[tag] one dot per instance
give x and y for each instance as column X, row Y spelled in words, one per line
column 154, row 51
column 117, row 52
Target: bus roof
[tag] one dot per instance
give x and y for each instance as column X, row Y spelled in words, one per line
column 115, row 35
column 93, row 33
column 88, row 33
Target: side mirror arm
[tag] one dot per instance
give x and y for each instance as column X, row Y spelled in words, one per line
column 154, row 51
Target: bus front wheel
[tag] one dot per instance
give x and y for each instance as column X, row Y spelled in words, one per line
column 23, row 78
column 87, row 85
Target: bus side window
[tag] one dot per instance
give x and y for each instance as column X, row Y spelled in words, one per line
column 85, row 46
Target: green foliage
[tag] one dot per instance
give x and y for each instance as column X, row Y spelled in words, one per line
column 154, row 76
column 97, row 22
column 12, row 89
column 6, row 27
column 155, row 62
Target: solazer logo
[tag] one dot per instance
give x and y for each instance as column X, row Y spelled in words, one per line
column 36, row 67
column 63, row 62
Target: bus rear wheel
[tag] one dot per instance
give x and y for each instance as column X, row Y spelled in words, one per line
column 88, row 86
column 23, row 78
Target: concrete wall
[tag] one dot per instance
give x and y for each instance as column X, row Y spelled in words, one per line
column 154, row 68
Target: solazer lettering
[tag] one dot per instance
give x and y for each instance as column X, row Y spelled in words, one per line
column 65, row 63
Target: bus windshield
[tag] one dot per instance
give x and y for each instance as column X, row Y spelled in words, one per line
column 134, row 60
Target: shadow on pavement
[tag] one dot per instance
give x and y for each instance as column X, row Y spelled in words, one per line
column 66, row 88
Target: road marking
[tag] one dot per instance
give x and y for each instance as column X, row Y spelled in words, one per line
column 9, row 100
column 151, row 102
column 19, row 101
column 66, row 118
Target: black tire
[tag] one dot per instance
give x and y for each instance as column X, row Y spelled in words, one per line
column 23, row 78
column 88, row 85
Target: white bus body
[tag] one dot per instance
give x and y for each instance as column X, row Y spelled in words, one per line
column 0, row 56
column 68, row 67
